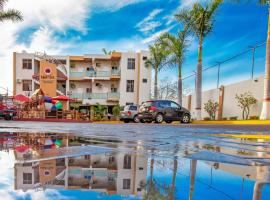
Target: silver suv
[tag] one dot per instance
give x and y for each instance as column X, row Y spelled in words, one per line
column 130, row 113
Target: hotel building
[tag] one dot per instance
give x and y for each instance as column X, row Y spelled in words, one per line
column 119, row 78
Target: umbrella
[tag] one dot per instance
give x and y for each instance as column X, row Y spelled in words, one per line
column 62, row 98
column 22, row 148
column 21, row 98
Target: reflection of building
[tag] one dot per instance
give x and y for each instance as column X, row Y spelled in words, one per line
column 118, row 78
column 112, row 173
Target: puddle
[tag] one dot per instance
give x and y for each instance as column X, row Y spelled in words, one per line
column 75, row 166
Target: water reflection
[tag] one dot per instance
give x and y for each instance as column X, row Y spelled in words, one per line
column 44, row 161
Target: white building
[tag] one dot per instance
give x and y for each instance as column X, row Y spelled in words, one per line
column 120, row 78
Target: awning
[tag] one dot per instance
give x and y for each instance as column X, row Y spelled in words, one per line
column 21, row 98
column 62, row 98
column 37, row 92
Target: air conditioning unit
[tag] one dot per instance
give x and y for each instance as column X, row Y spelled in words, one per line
column 19, row 81
column 72, row 86
column 98, row 85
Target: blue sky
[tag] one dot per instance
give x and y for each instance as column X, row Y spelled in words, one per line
column 87, row 26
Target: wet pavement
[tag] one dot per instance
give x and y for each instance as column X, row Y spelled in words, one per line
column 134, row 161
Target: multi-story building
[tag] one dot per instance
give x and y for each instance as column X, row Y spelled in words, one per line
column 118, row 78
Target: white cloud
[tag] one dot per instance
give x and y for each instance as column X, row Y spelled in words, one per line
column 189, row 3
column 156, row 35
column 148, row 23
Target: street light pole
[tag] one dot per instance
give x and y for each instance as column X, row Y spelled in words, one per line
column 218, row 74
column 253, row 48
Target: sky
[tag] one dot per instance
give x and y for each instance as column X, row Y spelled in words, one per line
column 86, row 26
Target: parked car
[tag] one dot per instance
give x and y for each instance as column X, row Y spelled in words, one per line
column 130, row 113
column 163, row 110
column 8, row 114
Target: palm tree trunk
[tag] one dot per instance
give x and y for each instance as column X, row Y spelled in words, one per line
column 151, row 177
column 156, row 84
column 193, row 166
column 180, row 85
column 257, row 192
column 199, row 82
column 265, row 114
column 175, row 166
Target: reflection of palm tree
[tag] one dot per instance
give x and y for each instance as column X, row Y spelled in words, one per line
column 10, row 14
column 193, row 165
column 257, row 193
column 175, row 166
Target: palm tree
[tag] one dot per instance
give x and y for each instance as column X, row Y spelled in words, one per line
column 157, row 60
column 10, row 14
column 265, row 114
column 106, row 52
column 176, row 46
column 200, row 19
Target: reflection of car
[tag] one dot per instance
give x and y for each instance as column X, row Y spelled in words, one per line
column 130, row 113
column 163, row 110
column 8, row 114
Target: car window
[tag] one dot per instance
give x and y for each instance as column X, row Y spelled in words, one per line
column 147, row 104
column 174, row 105
column 134, row 108
column 164, row 104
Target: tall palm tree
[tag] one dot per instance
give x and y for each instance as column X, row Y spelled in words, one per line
column 9, row 14
column 176, row 46
column 156, row 60
column 265, row 114
column 201, row 21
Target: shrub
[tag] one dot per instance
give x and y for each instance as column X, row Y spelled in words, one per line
column 116, row 111
column 233, row 118
column 211, row 108
column 244, row 102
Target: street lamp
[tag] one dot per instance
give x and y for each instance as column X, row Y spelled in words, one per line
column 218, row 73
column 253, row 49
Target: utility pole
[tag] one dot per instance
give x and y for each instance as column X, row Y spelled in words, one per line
column 218, row 74
column 253, row 49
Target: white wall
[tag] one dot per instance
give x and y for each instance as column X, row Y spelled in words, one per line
column 230, row 105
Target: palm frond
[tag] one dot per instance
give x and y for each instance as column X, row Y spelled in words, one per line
column 11, row 14
column 2, row 3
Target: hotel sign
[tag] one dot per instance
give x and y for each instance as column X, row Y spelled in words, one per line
column 48, row 78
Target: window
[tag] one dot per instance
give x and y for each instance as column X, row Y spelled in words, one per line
column 98, row 64
column 27, row 63
column 113, row 88
column 164, row 104
column 144, row 80
column 134, row 108
column 144, row 58
column 111, row 160
column 131, row 63
column 27, row 178
column 114, row 68
column 127, row 162
column 88, row 90
column 174, row 105
column 126, row 184
column 27, row 85
column 130, row 85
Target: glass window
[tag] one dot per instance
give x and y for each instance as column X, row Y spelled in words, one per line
column 164, row 104
column 144, row 80
column 131, row 63
column 27, row 178
column 130, row 85
column 127, row 162
column 27, row 85
column 126, row 184
column 174, row 105
column 27, row 63
column 133, row 108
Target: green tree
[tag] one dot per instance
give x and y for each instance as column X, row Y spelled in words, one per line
column 100, row 111
column 116, row 111
column 200, row 19
column 244, row 102
column 157, row 59
column 211, row 108
column 176, row 47
column 9, row 14
column 106, row 52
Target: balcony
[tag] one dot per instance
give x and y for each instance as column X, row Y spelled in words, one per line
column 95, row 74
column 115, row 96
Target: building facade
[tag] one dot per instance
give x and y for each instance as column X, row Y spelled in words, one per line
column 119, row 78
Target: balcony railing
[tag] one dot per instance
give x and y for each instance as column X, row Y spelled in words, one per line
column 110, row 95
column 101, row 74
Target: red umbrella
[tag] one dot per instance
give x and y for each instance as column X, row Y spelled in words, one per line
column 62, row 98
column 22, row 148
column 21, row 98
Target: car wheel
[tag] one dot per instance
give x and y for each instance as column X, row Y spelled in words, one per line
column 185, row 118
column 168, row 121
column 126, row 121
column 136, row 119
column 159, row 118
column 142, row 121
